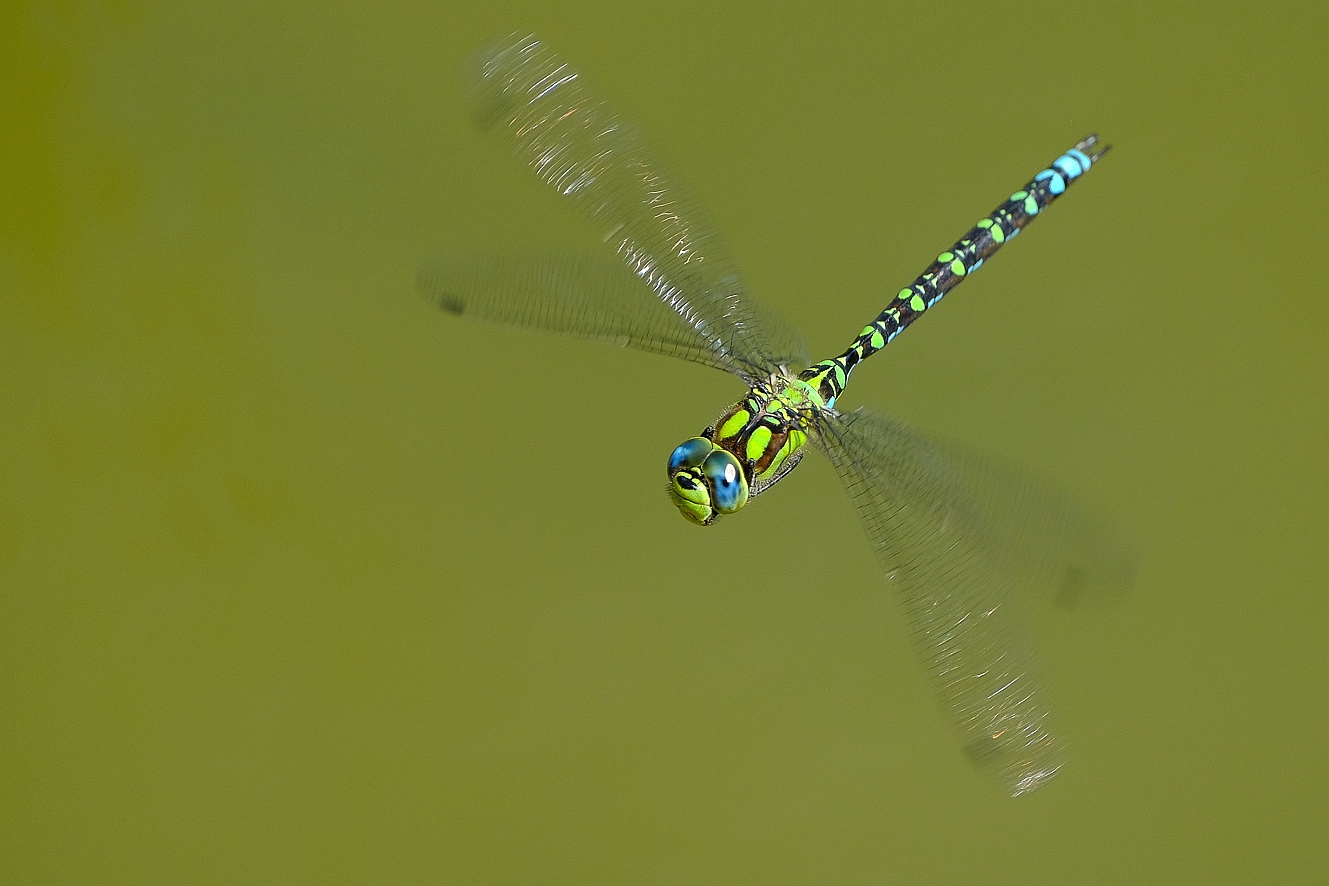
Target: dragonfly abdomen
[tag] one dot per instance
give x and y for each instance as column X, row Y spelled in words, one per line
column 951, row 267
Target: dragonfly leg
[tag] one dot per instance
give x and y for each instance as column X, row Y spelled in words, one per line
column 779, row 475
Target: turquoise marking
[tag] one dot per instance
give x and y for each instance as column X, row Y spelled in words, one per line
column 1056, row 182
column 1070, row 166
column 1085, row 160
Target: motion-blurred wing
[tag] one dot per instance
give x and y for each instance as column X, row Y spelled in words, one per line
column 1058, row 550
column 583, row 295
column 934, row 541
column 577, row 144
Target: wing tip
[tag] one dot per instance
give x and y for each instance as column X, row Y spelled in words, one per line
column 431, row 290
column 1023, row 765
column 488, row 73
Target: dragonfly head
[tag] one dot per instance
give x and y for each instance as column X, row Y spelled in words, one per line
column 706, row 481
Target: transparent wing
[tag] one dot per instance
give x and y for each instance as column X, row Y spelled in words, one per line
column 956, row 583
column 579, row 146
column 584, row 295
column 1057, row 549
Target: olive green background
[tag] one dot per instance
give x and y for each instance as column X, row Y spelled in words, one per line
column 303, row 581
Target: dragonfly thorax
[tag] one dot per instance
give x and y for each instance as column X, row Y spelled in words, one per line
column 753, row 444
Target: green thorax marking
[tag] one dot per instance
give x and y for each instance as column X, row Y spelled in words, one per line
column 765, row 430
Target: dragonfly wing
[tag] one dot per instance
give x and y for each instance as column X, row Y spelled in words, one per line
column 1059, row 550
column 577, row 144
column 585, row 295
column 932, row 537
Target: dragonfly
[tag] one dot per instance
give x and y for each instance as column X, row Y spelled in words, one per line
column 954, row 533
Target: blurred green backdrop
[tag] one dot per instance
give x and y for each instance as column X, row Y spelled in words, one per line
column 301, row 580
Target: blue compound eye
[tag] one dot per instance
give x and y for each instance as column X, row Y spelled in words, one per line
column 690, row 454
column 729, row 488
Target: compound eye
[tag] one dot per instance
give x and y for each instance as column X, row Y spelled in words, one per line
column 729, row 488
column 690, row 454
